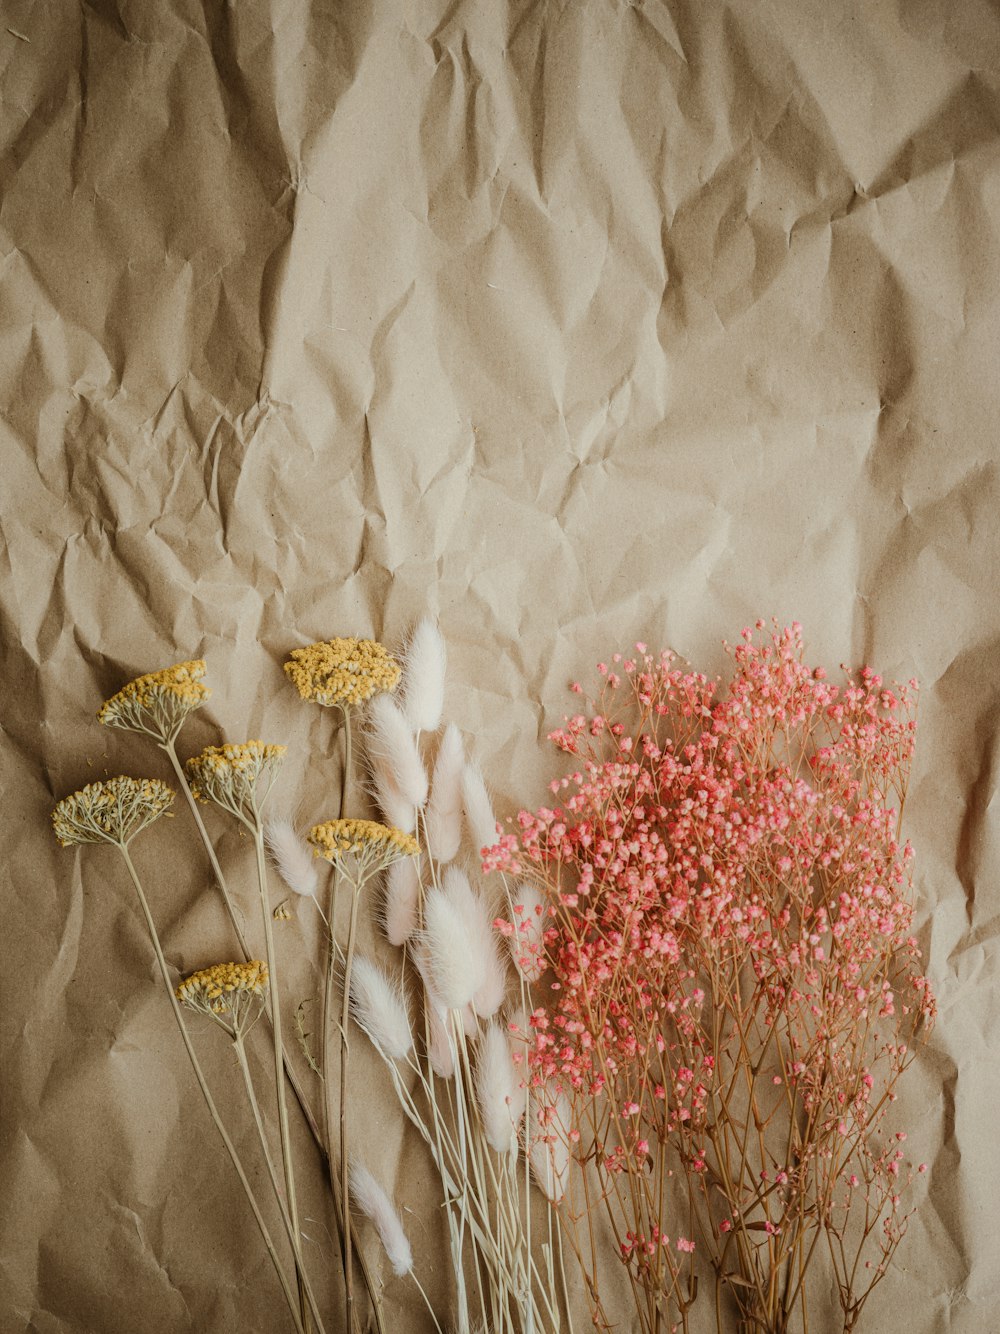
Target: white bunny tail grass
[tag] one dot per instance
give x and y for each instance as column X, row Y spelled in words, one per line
column 443, row 818
column 393, row 751
column 402, row 899
column 292, row 856
column 425, row 660
column 454, row 965
column 527, row 940
column 379, row 1007
column 470, row 1023
column 372, row 1200
column 475, row 914
column 548, row 1148
column 440, row 1047
column 498, row 1091
column 478, row 808
column 398, row 812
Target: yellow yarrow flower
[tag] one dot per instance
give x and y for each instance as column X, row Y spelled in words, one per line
column 344, row 672
column 113, row 811
column 158, row 702
column 374, row 846
column 229, row 989
column 213, row 983
column 237, row 777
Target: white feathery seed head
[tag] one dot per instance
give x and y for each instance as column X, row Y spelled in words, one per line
column 379, row 1007
column 373, row 1201
column 396, row 810
column 425, row 660
column 443, row 817
column 529, row 922
column 402, row 898
column 393, row 751
column 470, row 1023
column 477, row 807
column 482, row 941
column 548, row 1150
column 440, row 1048
column 454, row 965
column 501, row 1103
column 292, row 856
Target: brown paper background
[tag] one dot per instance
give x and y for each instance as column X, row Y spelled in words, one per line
column 569, row 324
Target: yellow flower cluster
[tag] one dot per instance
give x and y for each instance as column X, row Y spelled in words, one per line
column 212, row 988
column 336, row 837
column 158, row 702
column 229, row 774
column 342, row 671
column 113, row 811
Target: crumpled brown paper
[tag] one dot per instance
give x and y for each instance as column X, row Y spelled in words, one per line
column 568, row 324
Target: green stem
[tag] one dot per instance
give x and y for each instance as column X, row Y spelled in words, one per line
column 241, row 1057
column 346, row 715
column 426, row 1301
column 203, row 1085
column 286, row 1147
column 171, row 753
column 344, row 1052
column 338, row 1172
column 293, row 1079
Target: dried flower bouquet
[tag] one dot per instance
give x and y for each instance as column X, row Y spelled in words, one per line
column 736, row 989
column 453, row 1070
column 689, row 1041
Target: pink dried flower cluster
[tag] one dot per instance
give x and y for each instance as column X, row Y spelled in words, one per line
column 735, row 983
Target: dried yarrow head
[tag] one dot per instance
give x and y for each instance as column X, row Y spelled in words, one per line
column 227, row 992
column 158, row 702
column 372, row 846
column 237, row 777
column 113, row 811
column 342, row 671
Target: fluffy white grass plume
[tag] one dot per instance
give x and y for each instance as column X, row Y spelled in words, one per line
column 393, row 751
column 292, row 856
column 402, row 896
column 482, row 941
column 379, row 1007
column 399, row 812
column 548, row 1150
column 470, row 1023
column 454, row 965
column 372, row 1200
column 440, row 1050
column 478, row 808
column 498, row 1091
column 528, row 921
column 443, row 817
column 425, row 660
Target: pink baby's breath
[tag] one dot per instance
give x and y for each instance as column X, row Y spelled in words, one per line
column 730, row 943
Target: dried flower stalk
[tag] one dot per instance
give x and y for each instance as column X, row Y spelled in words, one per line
column 115, row 812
